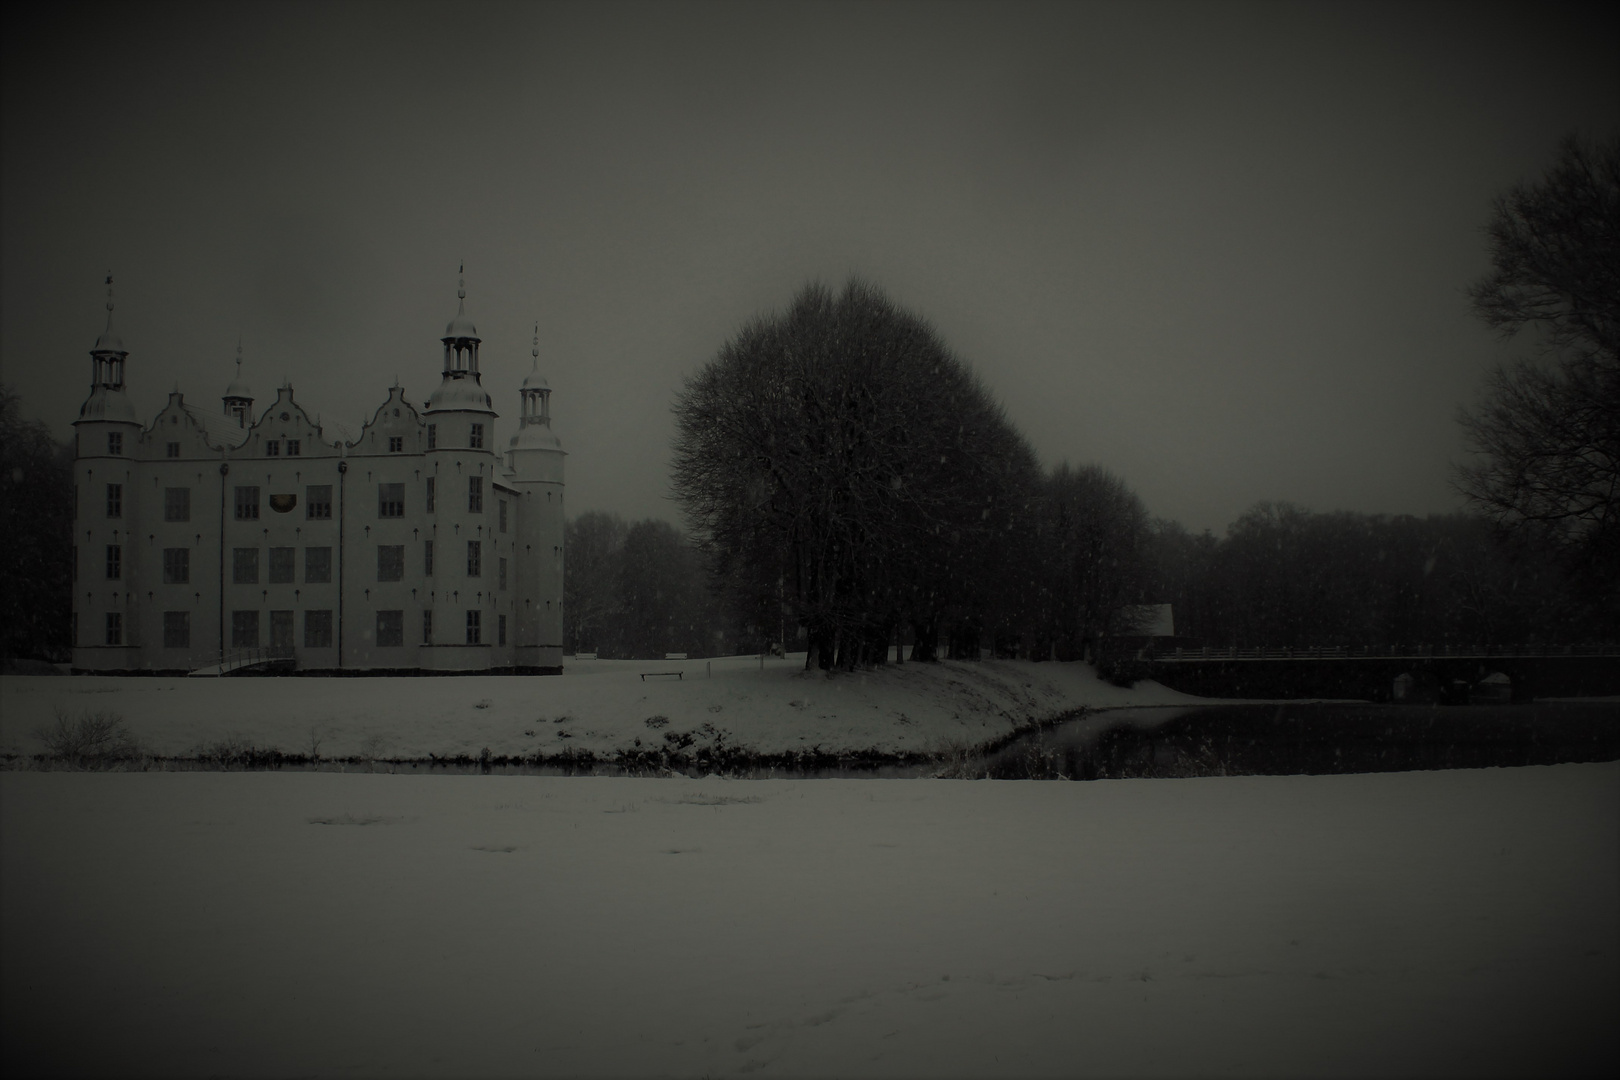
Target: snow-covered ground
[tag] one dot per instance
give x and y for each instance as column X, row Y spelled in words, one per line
column 601, row 706
column 271, row 924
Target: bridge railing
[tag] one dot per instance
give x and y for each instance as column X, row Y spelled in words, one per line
column 1345, row 652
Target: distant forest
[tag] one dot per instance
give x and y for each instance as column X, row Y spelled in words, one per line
column 1280, row 576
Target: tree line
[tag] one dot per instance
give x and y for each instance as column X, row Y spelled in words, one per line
column 1284, row 576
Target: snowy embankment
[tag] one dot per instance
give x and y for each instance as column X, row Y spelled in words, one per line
column 1455, row 923
column 601, row 707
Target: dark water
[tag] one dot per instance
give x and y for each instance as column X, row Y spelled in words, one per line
column 1279, row 740
column 1219, row 740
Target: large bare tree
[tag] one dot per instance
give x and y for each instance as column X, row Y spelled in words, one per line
column 1546, row 437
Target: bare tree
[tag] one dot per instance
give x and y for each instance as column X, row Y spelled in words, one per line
column 1546, row 439
column 36, row 509
column 591, row 578
column 1097, row 537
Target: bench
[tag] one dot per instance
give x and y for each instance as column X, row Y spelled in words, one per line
column 657, row 674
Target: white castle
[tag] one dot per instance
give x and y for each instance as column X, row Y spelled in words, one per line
column 208, row 539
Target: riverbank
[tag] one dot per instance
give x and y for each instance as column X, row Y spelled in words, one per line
column 274, row 924
column 597, row 709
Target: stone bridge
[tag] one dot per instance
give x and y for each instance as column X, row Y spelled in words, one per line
column 1450, row 673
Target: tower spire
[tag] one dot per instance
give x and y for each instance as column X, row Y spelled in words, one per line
column 461, row 337
column 107, row 400
column 534, row 393
column 109, row 352
column 238, row 399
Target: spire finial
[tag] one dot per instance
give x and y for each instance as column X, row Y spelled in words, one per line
column 109, row 294
column 535, row 352
column 461, row 286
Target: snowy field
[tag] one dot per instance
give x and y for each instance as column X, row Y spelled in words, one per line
column 1456, row 923
column 600, row 706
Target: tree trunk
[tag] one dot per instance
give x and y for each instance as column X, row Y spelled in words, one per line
column 924, row 640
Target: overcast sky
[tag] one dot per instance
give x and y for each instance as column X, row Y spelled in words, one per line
column 1220, row 249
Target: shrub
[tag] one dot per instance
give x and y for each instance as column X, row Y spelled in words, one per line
column 93, row 741
column 956, row 760
column 235, row 751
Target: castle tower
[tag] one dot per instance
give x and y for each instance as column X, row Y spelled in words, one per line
column 534, row 456
column 470, row 518
column 106, row 435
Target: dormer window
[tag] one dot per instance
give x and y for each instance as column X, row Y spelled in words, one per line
column 292, row 447
column 272, row 448
column 174, row 449
column 396, row 443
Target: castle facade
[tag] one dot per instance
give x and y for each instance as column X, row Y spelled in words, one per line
column 213, row 537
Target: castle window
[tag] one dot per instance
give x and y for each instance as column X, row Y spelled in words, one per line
column 427, row 558
column 177, row 504
column 272, row 448
column 390, row 500
column 503, row 573
column 501, row 631
column 475, row 494
column 476, row 438
column 247, row 504
column 115, row 628
column 115, row 500
column 433, row 436
column 317, row 565
column 245, row 566
column 115, row 442
column 390, row 628
column 475, row 558
column 244, row 629
column 283, row 565
column 176, row 566
column 430, row 494
column 427, row 627
column 281, row 629
column 396, row 443
column 390, row 562
column 115, row 562
column 317, row 629
column 292, row 448
column 503, row 515
column 177, row 629
column 318, row 502
column 174, row 451
column 474, row 627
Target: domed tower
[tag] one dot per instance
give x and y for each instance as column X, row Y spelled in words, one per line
column 467, row 513
column 534, row 457
column 238, row 399
column 107, row 436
